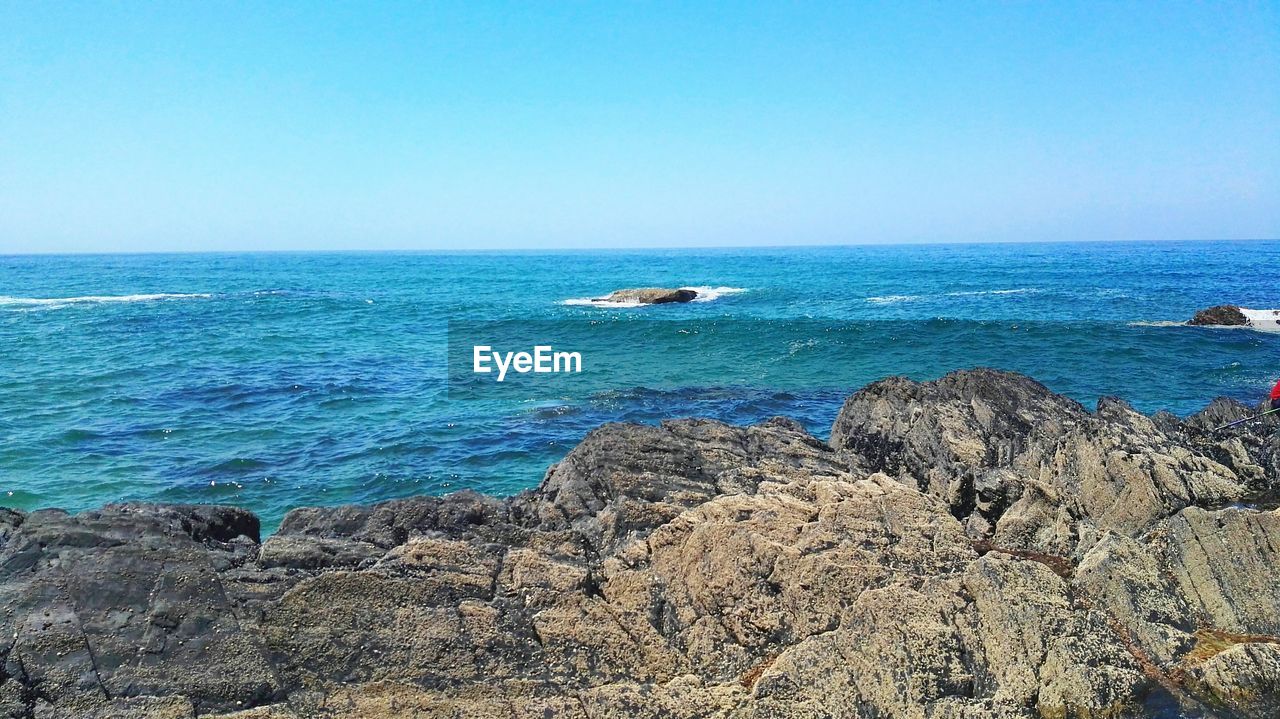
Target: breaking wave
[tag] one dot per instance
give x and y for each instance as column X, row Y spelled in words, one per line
column 895, row 299
column 54, row 302
column 707, row 294
column 979, row 293
column 1265, row 320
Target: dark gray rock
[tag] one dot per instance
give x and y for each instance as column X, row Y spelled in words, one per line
column 389, row 524
column 1225, row 315
column 969, row 433
column 10, row 519
column 127, row 602
column 651, row 296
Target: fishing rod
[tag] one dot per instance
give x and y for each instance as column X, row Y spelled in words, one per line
column 1246, row 419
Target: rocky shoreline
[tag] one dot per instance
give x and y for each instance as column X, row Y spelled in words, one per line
column 967, row 548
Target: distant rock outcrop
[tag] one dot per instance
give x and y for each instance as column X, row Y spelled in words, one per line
column 1225, row 315
column 651, row 296
column 974, row 548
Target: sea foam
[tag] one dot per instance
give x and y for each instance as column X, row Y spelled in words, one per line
column 94, row 299
column 979, row 293
column 895, row 299
column 707, row 294
column 1265, row 320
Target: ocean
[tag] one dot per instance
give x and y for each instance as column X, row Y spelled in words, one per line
column 277, row 380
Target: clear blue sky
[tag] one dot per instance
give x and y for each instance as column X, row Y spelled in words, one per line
column 303, row 125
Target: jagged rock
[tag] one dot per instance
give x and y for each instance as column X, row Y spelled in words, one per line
column 388, row 524
column 1129, row 582
column 1244, row 678
column 1219, row 412
column 1226, row 315
column 1220, row 562
column 9, row 521
column 308, row 552
column 997, row 639
column 970, row 548
column 1024, row 466
column 627, row 479
column 742, row 577
column 1251, row 448
column 947, row 438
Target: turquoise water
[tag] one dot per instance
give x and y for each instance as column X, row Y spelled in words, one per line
column 279, row 380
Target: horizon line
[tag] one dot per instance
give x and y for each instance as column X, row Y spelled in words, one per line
column 623, row 248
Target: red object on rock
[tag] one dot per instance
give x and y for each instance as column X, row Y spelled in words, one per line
column 1275, row 391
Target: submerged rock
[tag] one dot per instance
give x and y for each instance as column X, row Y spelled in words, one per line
column 973, row 547
column 651, row 296
column 1225, row 315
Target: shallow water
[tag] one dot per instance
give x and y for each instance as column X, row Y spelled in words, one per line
column 279, row 380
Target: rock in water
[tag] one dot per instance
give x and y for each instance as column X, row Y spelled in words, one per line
column 975, row 547
column 1224, row 315
column 651, row 296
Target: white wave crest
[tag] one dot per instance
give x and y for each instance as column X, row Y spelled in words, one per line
column 979, row 293
column 708, row 294
column 705, row 294
column 1265, row 320
column 54, row 302
column 598, row 302
column 894, row 299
